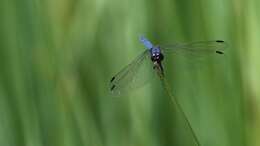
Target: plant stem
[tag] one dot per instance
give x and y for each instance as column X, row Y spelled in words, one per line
column 174, row 101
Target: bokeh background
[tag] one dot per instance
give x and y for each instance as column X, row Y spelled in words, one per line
column 57, row 57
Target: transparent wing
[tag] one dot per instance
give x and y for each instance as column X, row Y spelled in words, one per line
column 129, row 77
column 200, row 49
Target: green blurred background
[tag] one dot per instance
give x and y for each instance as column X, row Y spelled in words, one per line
column 57, row 56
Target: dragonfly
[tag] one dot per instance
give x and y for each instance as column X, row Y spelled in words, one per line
column 155, row 53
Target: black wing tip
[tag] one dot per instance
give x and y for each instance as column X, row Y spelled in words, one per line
column 220, row 41
column 113, row 78
column 219, row 52
column 113, row 87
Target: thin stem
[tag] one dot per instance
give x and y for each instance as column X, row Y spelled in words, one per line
column 174, row 101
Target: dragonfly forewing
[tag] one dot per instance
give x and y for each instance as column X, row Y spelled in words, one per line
column 132, row 76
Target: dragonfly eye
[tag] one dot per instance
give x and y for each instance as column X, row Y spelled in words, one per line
column 157, row 57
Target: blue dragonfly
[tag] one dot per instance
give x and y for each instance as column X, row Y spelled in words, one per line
column 126, row 77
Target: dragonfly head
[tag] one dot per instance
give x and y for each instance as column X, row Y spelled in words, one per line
column 156, row 54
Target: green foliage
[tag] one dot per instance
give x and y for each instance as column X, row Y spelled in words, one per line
column 57, row 57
